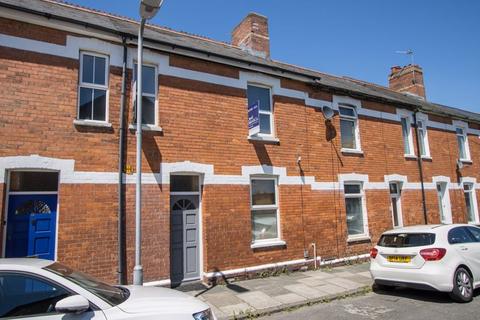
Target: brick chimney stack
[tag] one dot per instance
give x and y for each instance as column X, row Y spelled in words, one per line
column 252, row 35
column 407, row 79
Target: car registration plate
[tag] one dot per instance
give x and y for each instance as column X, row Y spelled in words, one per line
column 399, row 259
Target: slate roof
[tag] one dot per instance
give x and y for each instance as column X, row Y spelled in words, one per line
column 125, row 26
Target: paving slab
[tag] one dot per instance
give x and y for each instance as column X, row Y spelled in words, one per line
column 262, row 282
column 331, row 289
column 345, row 283
column 361, row 280
column 290, row 298
column 277, row 290
column 259, row 300
column 321, row 275
column 312, row 282
column 306, row 291
column 236, row 309
column 222, row 299
column 342, row 274
column 214, row 289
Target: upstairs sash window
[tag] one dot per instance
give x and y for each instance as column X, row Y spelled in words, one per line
column 93, row 87
column 463, row 150
column 149, row 94
column 349, row 128
column 262, row 96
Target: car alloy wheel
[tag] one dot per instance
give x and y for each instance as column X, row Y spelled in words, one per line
column 462, row 286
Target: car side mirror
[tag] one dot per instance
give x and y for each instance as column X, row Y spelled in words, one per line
column 73, row 304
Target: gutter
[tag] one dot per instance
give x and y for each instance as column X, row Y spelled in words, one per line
column 121, row 164
column 356, row 94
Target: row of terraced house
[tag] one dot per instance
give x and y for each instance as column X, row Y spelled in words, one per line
column 336, row 161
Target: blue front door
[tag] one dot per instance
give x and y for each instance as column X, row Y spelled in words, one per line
column 31, row 226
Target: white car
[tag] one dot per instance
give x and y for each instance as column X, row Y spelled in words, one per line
column 430, row 257
column 33, row 288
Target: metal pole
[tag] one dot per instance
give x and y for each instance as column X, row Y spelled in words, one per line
column 138, row 269
column 121, row 162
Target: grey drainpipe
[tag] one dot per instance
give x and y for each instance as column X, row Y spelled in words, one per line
column 121, row 163
column 420, row 167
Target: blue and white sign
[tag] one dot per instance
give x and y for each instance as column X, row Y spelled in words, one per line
column 253, row 119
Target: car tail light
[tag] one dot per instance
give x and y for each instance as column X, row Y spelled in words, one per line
column 433, row 254
column 373, row 253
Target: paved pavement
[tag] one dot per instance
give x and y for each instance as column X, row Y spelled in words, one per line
column 400, row 304
column 246, row 298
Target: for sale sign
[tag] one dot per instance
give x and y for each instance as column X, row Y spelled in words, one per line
column 253, row 119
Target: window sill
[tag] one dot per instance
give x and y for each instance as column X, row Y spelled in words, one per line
column 466, row 161
column 264, row 139
column 351, row 151
column 358, row 238
column 145, row 127
column 428, row 158
column 410, row 156
column 91, row 123
column 266, row 244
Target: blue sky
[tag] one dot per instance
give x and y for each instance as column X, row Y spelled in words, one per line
column 348, row 37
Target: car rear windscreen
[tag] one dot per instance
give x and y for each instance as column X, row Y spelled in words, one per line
column 405, row 240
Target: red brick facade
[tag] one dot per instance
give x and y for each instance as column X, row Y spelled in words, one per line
column 206, row 123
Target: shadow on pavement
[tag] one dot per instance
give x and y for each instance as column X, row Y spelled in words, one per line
column 422, row 295
column 203, row 288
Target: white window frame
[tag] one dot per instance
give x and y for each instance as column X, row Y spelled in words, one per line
column 464, row 127
column 361, row 195
column 152, row 65
column 408, row 140
column 398, row 200
column 270, row 113
column 423, row 119
column 473, row 199
column 105, row 87
column 266, row 242
column 353, row 119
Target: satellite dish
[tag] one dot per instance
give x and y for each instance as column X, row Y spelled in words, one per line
column 328, row 112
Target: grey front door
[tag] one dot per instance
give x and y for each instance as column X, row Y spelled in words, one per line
column 184, row 238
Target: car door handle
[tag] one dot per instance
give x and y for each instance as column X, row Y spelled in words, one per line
column 464, row 249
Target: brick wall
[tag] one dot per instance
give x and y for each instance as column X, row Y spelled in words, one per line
column 155, row 231
column 37, row 118
column 87, row 228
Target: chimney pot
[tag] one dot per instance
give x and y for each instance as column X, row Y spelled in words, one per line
column 251, row 34
column 395, row 69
